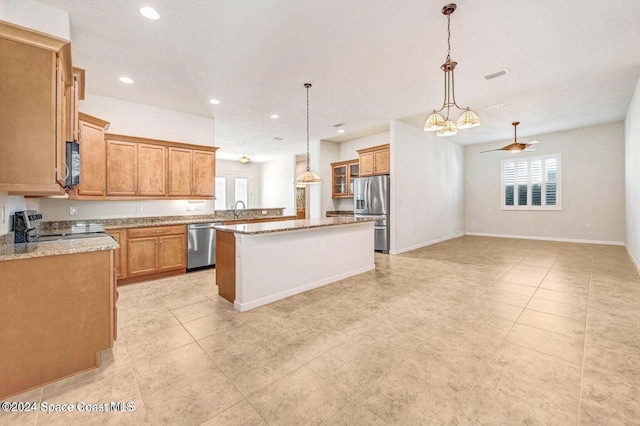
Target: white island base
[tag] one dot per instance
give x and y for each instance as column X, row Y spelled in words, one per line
column 260, row 263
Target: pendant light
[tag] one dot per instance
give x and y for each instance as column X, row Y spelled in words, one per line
column 435, row 121
column 308, row 177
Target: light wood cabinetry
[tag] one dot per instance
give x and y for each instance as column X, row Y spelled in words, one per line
column 374, row 160
column 120, row 258
column 33, row 73
column 342, row 177
column 191, row 172
column 154, row 169
column 135, row 169
column 155, row 251
column 93, row 158
column 57, row 313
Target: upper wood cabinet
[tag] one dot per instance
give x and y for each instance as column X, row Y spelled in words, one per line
column 134, row 168
column 342, row 177
column 93, row 158
column 374, row 160
column 150, row 168
column 191, row 172
column 33, row 73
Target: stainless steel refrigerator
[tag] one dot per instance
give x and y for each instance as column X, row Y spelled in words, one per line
column 371, row 198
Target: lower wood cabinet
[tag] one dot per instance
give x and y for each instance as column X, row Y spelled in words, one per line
column 120, row 263
column 155, row 251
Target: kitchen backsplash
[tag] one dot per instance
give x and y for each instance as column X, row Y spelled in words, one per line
column 132, row 221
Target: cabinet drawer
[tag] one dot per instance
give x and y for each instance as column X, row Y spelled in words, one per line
column 155, row 231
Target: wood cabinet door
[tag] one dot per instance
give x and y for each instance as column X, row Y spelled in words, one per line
column 381, row 161
column 93, row 160
column 204, row 173
column 172, row 252
column 142, row 256
column 180, row 182
column 339, row 181
column 151, row 170
column 62, row 169
column 122, row 168
column 366, row 164
column 120, row 259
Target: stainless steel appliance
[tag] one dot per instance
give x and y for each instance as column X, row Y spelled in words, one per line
column 25, row 225
column 72, row 164
column 201, row 245
column 371, row 198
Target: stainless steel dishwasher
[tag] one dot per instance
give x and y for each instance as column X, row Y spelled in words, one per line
column 201, row 245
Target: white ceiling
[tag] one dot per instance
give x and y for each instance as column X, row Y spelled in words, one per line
column 571, row 63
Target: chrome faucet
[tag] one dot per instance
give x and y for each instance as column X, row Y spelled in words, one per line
column 235, row 208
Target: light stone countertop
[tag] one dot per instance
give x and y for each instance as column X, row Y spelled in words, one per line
column 291, row 225
column 55, row 248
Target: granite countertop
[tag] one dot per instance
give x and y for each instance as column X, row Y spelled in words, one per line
column 56, row 248
column 291, row 225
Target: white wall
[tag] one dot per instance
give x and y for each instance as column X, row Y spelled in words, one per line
column 278, row 184
column 632, row 178
column 36, row 16
column 133, row 119
column 426, row 188
column 592, row 186
column 329, row 153
column 8, row 206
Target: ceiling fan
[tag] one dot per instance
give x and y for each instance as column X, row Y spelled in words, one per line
column 516, row 146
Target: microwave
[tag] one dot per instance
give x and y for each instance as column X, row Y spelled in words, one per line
column 73, row 164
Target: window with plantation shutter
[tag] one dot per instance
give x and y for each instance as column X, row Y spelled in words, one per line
column 532, row 183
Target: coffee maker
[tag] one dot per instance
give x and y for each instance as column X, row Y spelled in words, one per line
column 25, row 225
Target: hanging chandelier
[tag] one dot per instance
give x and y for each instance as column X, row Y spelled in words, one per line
column 308, row 177
column 435, row 121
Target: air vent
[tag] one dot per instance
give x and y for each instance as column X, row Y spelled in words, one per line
column 496, row 74
column 338, row 125
column 277, row 139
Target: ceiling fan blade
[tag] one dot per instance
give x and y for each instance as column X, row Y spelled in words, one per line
column 491, row 150
column 533, row 142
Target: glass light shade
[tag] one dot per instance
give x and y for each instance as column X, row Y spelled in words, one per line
column 468, row 119
column 308, row 177
column 434, row 122
column 449, row 129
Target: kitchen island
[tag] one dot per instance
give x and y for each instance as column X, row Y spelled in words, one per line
column 263, row 262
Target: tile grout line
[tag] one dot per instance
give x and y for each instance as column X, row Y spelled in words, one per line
column 486, row 365
column 584, row 347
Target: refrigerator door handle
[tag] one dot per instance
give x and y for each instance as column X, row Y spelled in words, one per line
column 368, row 195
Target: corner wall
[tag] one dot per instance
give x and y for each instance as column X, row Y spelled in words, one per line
column 592, row 189
column 426, row 188
column 632, row 176
column 278, row 187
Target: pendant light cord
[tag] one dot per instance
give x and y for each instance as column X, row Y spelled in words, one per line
column 308, row 85
column 449, row 38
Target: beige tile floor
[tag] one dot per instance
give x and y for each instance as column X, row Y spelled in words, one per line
column 470, row 331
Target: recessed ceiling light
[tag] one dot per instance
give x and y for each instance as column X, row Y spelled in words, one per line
column 126, row 80
column 274, row 116
column 150, row 13
column 495, row 106
column 341, row 131
column 214, row 101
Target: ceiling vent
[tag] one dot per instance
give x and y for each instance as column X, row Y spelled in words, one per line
column 496, row 74
column 338, row 125
column 277, row 139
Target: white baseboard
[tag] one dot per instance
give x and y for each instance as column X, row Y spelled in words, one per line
column 300, row 289
column 633, row 260
column 428, row 243
column 531, row 237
